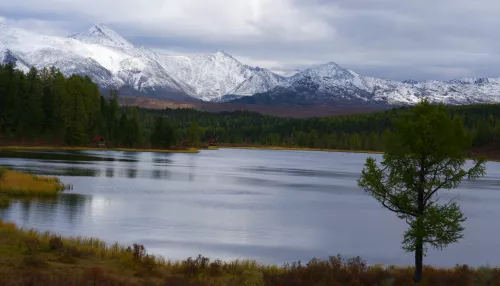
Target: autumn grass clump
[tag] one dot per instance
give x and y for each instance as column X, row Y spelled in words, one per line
column 19, row 184
column 29, row 257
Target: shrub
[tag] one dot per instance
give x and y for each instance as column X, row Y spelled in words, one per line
column 139, row 252
column 56, row 243
column 35, row 261
column 4, row 202
column 32, row 245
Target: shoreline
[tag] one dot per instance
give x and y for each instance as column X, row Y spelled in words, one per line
column 280, row 148
column 490, row 158
column 68, row 148
column 494, row 158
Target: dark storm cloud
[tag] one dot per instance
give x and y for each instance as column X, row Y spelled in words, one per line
column 426, row 39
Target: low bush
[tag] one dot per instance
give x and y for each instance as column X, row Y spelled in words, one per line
column 4, row 202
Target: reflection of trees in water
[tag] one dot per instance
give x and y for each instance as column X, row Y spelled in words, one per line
column 161, row 162
column 54, row 155
column 132, row 173
column 72, row 205
column 110, row 172
column 130, row 156
column 192, row 167
column 80, row 172
column 158, row 174
column 44, row 211
column 25, row 207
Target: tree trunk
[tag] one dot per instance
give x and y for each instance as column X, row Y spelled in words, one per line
column 419, row 240
column 419, row 256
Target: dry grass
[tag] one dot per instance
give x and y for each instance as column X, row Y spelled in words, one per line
column 29, row 257
column 18, row 184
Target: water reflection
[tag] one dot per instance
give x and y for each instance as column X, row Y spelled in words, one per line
column 66, row 156
column 158, row 174
column 110, row 172
column 66, row 209
column 73, row 206
column 131, row 173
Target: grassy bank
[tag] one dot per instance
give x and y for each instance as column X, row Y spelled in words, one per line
column 18, row 184
column 28, row 257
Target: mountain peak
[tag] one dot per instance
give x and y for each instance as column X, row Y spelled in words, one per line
column 102, row 35
column 333, row 65
column 411, row 81
column 328, row 70
column 222, row 53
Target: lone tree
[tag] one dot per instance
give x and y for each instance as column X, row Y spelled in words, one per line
column 425, row 153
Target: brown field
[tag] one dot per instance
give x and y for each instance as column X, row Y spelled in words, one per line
column 280, row 111
column 491, row 151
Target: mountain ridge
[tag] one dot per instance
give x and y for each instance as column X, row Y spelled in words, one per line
column 113, row 62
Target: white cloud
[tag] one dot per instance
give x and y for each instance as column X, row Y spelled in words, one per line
column 39, row 26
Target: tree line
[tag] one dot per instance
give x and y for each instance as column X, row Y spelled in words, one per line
column 45, row 106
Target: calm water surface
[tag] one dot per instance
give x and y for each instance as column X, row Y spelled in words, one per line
column 272, row 206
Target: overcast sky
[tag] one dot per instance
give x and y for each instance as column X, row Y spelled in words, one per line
column 395, row 39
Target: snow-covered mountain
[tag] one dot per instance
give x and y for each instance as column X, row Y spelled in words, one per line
column 330, row 83
column 113, row 62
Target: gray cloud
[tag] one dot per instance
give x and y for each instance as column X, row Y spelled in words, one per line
column 426, row 39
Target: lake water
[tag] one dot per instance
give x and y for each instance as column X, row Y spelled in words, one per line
column 272, row 206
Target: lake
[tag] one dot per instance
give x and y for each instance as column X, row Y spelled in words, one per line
column 272, row 206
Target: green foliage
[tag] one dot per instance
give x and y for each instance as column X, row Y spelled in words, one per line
column 45, row 105
column 164, row 134
column 425, row 154
column 194, row 133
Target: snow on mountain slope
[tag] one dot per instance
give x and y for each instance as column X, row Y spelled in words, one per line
column 113, row 62
column 102, row 35
column 213, row 75
column 329, row 78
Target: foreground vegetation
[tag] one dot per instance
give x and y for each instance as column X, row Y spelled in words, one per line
column 28, row 257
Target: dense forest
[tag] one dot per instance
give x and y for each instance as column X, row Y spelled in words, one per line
column 45, row 107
